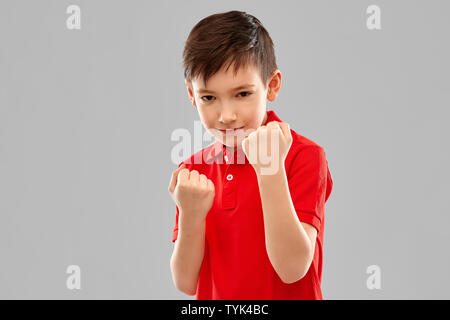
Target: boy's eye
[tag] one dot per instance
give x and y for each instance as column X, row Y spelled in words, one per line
column 206, row 97
column 209, row 98
column 247, row 93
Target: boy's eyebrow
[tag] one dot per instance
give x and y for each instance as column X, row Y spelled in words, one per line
column 244, row 86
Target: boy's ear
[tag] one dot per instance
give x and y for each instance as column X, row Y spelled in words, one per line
column 190, row 92
column 274, row 85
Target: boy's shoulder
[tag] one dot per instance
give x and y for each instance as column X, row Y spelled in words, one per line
column 303, row 149
column 299, row 141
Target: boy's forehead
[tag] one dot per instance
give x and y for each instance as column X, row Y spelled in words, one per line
column 228, row 80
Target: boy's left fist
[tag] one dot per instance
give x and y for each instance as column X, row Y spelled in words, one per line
column 267, row 147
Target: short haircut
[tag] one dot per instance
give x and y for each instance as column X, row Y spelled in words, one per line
column 233, row 36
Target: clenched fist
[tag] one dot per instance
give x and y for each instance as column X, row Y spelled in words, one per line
column 267, row 147
column 193, row 193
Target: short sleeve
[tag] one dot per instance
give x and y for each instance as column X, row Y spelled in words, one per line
column 308, row 177
column 175, row 229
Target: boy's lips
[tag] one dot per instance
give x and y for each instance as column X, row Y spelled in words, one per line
column 230, row 130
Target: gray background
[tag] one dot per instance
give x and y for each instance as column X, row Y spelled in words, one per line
column 86, row 118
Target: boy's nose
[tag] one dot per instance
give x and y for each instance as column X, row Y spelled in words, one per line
column 227, row 116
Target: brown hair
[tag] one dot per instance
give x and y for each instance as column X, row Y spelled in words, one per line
column 233, row 36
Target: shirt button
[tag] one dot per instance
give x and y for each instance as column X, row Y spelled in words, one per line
column 229, row 177
column 226, row 158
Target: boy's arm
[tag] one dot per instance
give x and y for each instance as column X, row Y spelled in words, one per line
column 194, row 194
column 187, row 258
column 289, row 242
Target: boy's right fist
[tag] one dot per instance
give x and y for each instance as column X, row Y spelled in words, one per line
column 193, row 193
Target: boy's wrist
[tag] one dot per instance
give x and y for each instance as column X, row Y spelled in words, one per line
column 188, row 227
column 279, row 174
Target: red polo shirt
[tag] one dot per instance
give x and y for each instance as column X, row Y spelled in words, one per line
column 236, row 264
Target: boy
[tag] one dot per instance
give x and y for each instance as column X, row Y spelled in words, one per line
column 242, row 232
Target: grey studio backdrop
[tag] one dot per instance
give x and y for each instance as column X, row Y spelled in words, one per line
column 86, row 118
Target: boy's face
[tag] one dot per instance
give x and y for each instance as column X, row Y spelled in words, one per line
column 223, row 105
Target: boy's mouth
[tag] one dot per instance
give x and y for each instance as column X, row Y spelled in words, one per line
column 230, row 130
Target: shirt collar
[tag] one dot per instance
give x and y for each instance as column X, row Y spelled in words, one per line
column 220, row 151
